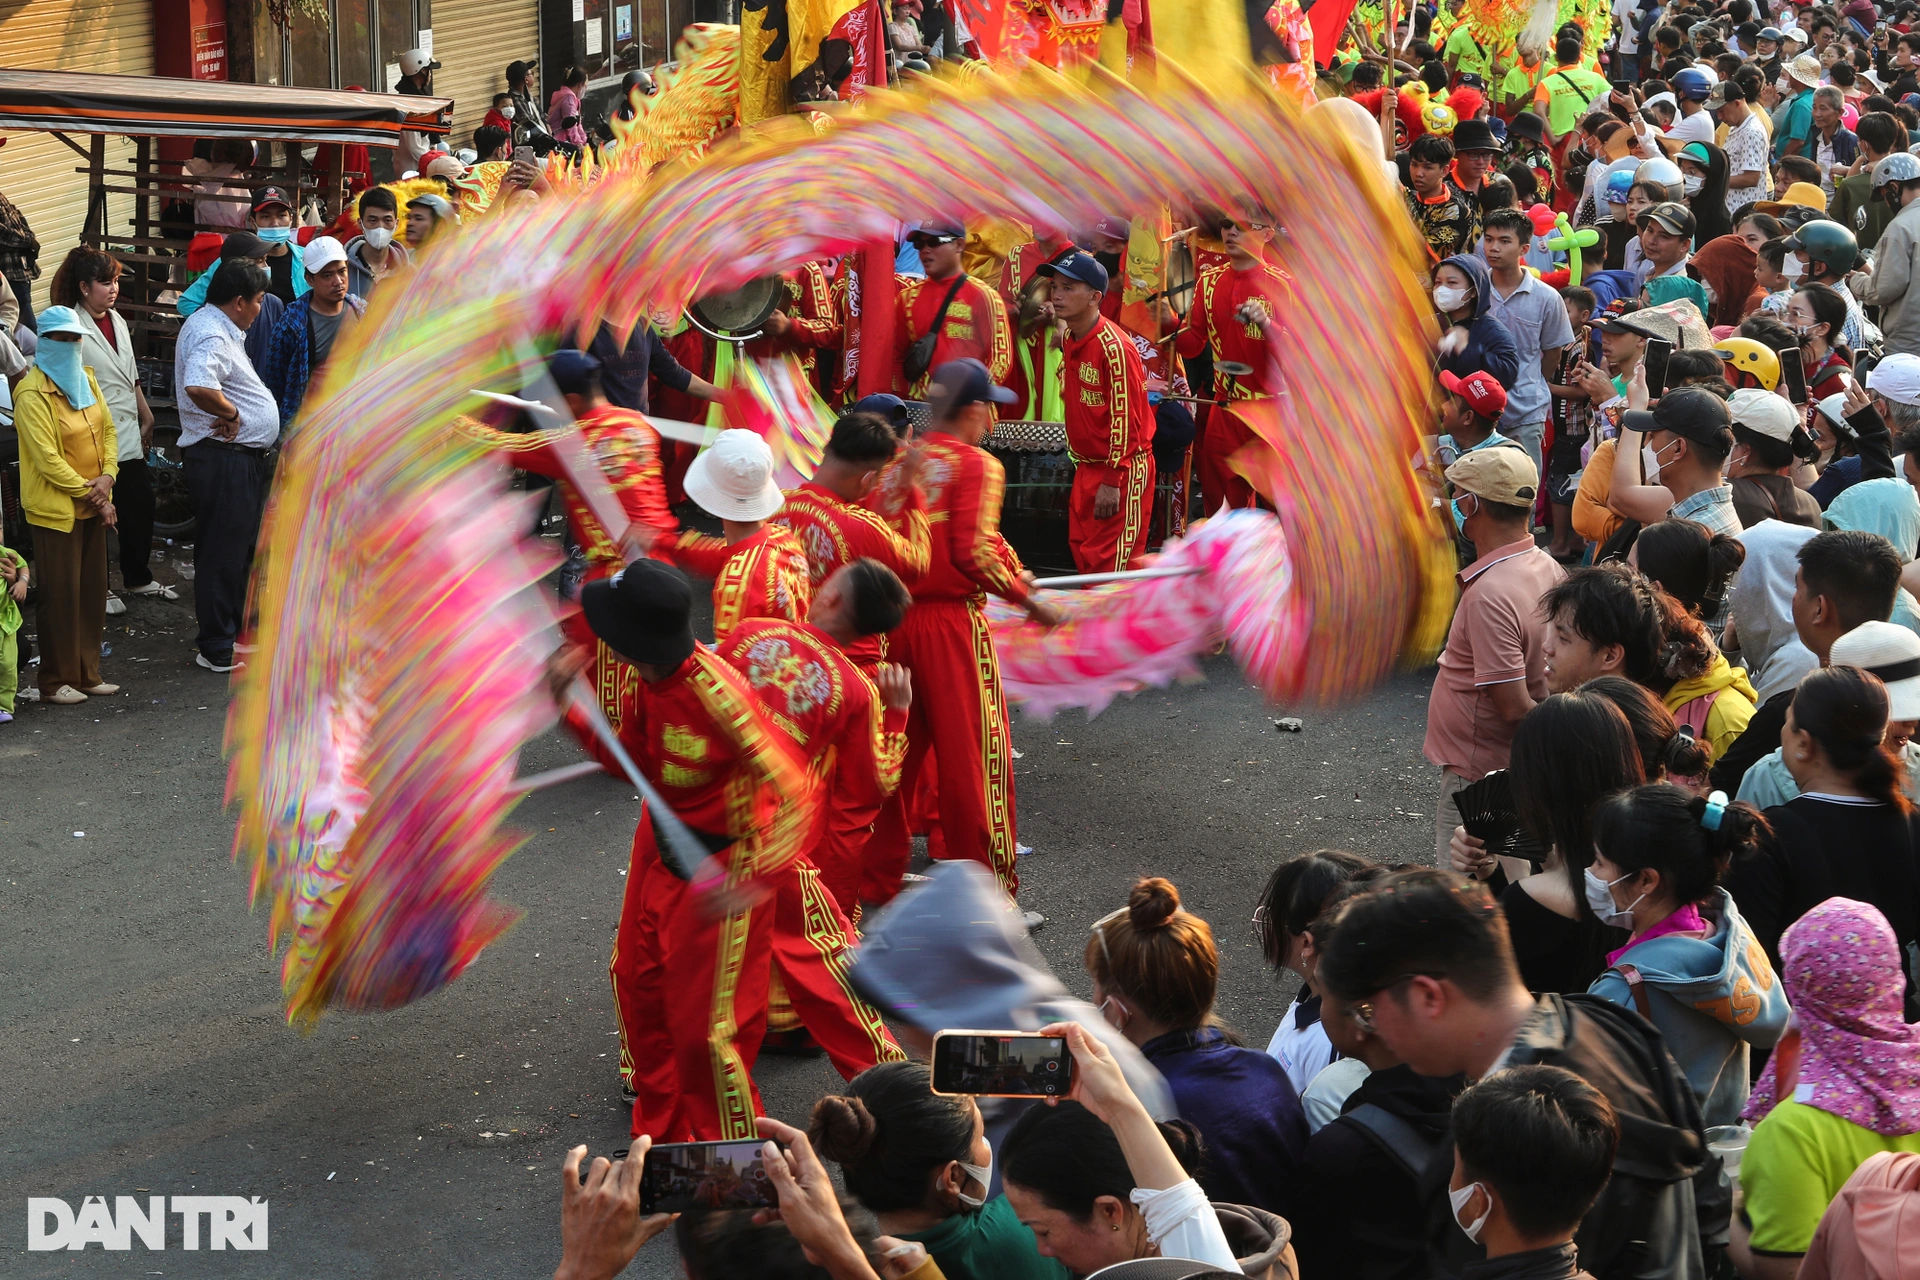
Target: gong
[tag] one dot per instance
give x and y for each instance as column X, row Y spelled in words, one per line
column 1179, row 273
column 741, row 313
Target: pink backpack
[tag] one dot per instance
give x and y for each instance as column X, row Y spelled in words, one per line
column 1871, row 1231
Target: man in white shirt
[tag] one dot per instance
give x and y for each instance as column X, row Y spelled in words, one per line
column 1694, row 123
column 1748, row 149
column 228, row 421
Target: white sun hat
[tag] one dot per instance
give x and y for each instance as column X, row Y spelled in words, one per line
column 733, row 478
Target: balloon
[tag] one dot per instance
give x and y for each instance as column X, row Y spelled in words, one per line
column 1542, row 219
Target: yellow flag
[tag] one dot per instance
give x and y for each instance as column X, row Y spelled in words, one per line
column 763, row 84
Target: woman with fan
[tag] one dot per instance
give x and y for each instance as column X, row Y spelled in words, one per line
column 1570, row 753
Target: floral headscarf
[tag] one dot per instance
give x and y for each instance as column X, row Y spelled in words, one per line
column 1859, row 1059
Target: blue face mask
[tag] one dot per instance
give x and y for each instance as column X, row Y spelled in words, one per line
column 1459, row 517
column 276, row 235
column 61, row 361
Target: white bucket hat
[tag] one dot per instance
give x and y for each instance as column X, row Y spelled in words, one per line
column 1891, row 652
column 733, row 478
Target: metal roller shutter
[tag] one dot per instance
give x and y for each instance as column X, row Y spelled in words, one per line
column 37, row 169
column 474, row 41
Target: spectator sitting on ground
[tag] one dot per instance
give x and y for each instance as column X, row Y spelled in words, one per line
column 1155, row 971
column 1294, row 897
column 1661, row 855
column 1098, row 1182
column 375, row 254
column 1842, row 1087
column 1424, row 960
column 920, row 1162
column 307, row 330
column 1572, row 751
column 1533, row 1146
column 1602, row 621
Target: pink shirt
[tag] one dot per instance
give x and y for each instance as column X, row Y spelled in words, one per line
column 1498, row 635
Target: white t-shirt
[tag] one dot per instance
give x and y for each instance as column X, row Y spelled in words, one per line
column 1624, row 12
column 1330, row 1090
column 1304, row 1052
column 1697, row 127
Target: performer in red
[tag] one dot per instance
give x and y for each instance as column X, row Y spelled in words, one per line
column 759, row 569
column 690, row 969
column 1109, row 423
column 961, row 712
column 850, row 722
column 806, row 325
column 827, row 517
column 974, row 326
column 628, row 451
column 1235, row 305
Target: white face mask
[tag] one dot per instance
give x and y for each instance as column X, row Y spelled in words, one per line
column 1458, row 1197
column 1600, row 898
column 1693, row 184
column 1792, row 268
column 1650, row 463
column 982, row 1174
column 378, row 238
column 1448, row 297
column 508, row 113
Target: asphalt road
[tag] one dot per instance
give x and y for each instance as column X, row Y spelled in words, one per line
column 143, row 1043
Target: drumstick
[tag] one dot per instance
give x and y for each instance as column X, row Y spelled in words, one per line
column 1125, row 575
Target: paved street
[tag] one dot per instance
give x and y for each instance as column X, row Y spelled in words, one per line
column 144, row 1047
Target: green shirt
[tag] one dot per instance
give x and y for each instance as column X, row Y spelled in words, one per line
column 1518, row 85
column 1464, row 52
column 1568, row 90
column 1796, row 1162
column 9, row 611
column 992, row 1244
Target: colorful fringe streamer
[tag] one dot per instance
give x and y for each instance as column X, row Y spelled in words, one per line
column 374, row 734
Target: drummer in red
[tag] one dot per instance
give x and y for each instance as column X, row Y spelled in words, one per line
column 759, row 569
column 960, row 711
column 690, row 966
column 974, row 322
column 1109, row 423
column 1237, row 306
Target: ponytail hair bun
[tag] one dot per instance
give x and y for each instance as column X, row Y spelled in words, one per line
column 1152, row 903
column 842, row 1129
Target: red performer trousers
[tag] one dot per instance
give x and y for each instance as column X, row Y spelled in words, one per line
column 960, row 714
column 690, row 995
column 1115, row 543
column 1219, row 483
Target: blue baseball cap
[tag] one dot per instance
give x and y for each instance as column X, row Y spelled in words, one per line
column 1080, row 266
column 573, row 371
column 959, row 383
column 885, row 405
column 938, row 230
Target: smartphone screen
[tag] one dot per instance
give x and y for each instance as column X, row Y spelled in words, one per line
column 1001, row 1064
column 705, row 1175
column 1793, row 372
column 1659, row 351
column 523, row 155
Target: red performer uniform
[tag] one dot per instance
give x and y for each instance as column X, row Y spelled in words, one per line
column 690, row 993
column 975, row 325
column 835, row 532
column 1110, row 435
column 764, row 575
column 1213, row 323
column 959, row 710
column 628, row 451
column 814, row 324
column 854, row 743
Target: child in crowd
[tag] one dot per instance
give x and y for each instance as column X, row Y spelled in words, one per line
column 1572, row 412
column 1768, row 274
column 1468, row 415
column 13, row 589
column 1533, row 1146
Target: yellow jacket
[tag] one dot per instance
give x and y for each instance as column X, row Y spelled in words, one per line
column 61, row 448
column 1728, row 714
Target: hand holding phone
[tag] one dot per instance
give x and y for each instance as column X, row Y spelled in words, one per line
column 1001, row 1064
column 683, row 1176
column 601, row 1226
column 1654, row 363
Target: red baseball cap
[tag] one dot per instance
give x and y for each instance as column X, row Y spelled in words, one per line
column 1482, row 392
